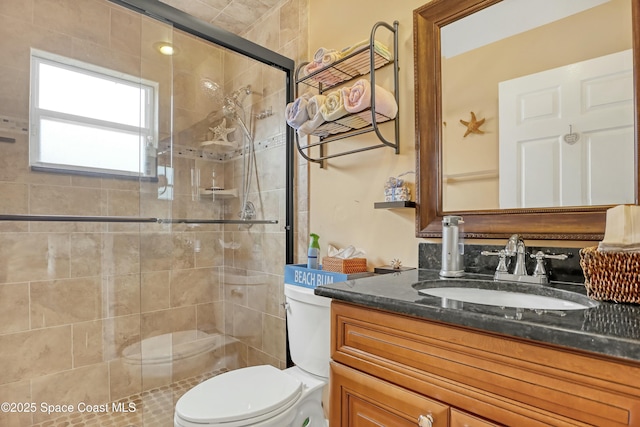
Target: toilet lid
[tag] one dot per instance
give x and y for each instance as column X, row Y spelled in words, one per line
column 237, row 395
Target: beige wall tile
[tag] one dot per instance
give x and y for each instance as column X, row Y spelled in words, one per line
column 31, row 354
column 89, row 384
column 14, row 307
column 125, row 31
column 257, row 357
column 211, row 252
column 118, row 333
column 64, row 301
column 85, row 19
column 123, row 203
column 289, row 22
column 183, row 248
column 120, row 253
column 88, row 343
column 85, row 254
column 16, row 392
column 14, row 83
column 247, row 326
column 274, row 336
column 156, row 251
column 123, row 293
column 166, row 321
column 268, row 297
column 210, row 317
column 14, row 157
column 274, row 248
column 125, row 379
column 25, row 257
column 194, row 286
column 57, row 200
column 155, row 288
column 22, row 9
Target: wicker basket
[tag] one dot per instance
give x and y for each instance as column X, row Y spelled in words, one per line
column 346, row 266
column 611, row 276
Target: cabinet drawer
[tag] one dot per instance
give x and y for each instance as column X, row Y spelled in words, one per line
column 360, row 400
column 510, row 380
column 461, row 419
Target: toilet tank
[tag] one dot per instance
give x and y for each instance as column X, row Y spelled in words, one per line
column 309, row 329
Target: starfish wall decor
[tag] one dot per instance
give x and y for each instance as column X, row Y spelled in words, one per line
column 473, row 126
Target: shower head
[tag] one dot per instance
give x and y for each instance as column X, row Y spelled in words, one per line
column 212, row 90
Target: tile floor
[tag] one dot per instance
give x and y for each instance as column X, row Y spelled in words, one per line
column 153, row 408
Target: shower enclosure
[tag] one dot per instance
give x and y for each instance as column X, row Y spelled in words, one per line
column 146, row 176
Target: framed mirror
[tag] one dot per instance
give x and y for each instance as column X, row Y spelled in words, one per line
column 496, row 140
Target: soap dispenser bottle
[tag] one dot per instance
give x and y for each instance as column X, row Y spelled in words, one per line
column 314, row 252
column 452, row 247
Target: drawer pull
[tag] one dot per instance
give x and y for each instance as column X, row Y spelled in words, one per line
column 425, row 421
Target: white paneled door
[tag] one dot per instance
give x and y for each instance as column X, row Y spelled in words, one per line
column 567, row 135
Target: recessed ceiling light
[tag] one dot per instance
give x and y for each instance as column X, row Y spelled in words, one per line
column 165, row 48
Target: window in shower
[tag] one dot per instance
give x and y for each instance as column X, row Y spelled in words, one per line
column 91, row 119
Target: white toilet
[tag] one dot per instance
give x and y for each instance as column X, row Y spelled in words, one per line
column 264, row 396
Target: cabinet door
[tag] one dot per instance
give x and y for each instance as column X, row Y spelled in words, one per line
column 462, row 419
column 360, row 400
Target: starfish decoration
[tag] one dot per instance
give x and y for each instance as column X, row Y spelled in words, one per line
column 473, row 126
column 221, row 132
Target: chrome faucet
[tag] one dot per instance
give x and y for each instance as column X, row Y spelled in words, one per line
column 515, row 247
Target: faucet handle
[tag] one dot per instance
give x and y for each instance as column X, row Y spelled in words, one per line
column 540, row 257
column 502, row 263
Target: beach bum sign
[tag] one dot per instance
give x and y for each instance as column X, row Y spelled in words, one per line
column 300, row 275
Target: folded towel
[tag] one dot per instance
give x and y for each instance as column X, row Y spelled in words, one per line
column 312, row 67
column 358, row 98
column 333, row 107
column 315, row 116
column 296, row 111
column 378, row 47
column 330, row 57
column 321, row 52
column 622, row 229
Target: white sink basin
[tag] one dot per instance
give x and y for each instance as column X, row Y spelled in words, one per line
column 502, row 294
column 504, row 298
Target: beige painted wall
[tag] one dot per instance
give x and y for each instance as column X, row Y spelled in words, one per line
column 343, row 194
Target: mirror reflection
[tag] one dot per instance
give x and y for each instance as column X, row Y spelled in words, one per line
column 538, row 106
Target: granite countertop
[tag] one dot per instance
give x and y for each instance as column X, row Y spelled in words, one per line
column 608, row 328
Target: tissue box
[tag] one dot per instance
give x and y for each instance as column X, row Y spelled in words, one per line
column 345, row 266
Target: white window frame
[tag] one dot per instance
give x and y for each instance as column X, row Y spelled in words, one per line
column 148, row 134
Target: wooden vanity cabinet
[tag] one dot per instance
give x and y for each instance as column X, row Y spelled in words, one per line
column 388, row 369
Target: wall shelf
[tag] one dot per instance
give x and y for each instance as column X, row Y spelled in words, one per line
column 394, row 205
column 361, row 62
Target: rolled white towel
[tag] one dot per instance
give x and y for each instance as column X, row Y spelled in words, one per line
column 321, row 52
column 315, row 116
column 333, row 107
column 330, row 57
column 296, row 111
column 358, row 98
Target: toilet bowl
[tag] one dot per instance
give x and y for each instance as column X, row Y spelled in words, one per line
column 264, row 396
column 260, row 396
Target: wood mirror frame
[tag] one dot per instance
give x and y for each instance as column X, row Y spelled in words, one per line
column 561, row 223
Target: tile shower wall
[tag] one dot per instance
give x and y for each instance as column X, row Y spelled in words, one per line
column 73, row 296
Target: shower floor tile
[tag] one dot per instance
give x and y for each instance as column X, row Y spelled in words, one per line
column 153, row 408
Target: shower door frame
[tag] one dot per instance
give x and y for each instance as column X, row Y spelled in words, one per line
column 194, row 26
